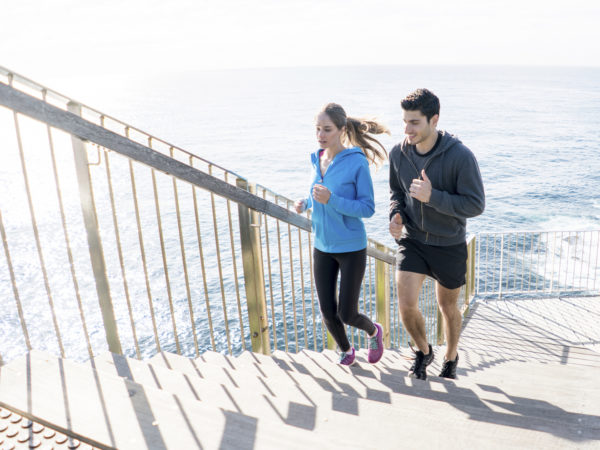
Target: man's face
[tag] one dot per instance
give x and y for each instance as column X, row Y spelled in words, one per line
column 416, row 126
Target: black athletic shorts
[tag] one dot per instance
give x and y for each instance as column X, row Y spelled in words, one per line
column 446, row 264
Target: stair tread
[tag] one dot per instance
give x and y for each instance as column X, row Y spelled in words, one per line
column 116, row 412
column 478, row 418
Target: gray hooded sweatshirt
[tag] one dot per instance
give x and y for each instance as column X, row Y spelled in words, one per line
column 457, row 191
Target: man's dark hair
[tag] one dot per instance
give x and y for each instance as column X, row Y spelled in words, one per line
column 422, row 100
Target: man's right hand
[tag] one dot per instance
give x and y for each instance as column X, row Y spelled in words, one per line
column 396, row 226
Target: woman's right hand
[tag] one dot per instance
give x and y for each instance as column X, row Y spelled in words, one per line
column 300, row 205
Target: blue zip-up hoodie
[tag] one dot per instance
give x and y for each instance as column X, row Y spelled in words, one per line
column 337, row 225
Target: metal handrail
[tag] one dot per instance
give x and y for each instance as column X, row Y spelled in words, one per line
column 290, row 258
column 540, row 263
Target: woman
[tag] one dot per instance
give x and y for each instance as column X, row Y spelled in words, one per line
column 341, row 194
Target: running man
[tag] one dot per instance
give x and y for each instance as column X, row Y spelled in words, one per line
column 435, row 185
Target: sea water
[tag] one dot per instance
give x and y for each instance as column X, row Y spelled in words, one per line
column 534, row 130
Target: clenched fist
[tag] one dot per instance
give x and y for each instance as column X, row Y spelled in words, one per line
column 396, row 226
column 321, row 194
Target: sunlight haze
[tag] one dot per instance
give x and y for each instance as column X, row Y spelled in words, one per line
column 80, row 38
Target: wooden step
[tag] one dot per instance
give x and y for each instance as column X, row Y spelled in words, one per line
column 111, row 411
column 266, row 380
column 327, row 406
column 419, row 392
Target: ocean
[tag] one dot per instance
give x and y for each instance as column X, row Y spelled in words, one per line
column 534, row 131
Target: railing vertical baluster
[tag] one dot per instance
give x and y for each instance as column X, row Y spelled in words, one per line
column 582, row 259
column 164, row 260
column 281, row 284
column 523, row 261
column 501, row 266
column 382, row 297
column 219, row 263
column 509, row 255
column 293, row 283
column 393, row 307
column 274, row 323
column 553, row 259
column 439, row 325
column 143, row 253
column 202, row 265
column 587, row 278
column 516, row 270
column 90, row 220
column 547, row 247
column 493, row 269
column 595, row 266
column 371, row 289
column 359, row 335
column 184, row 260
column 312, row 294
column 235, row 272
column 468, row 278
column 120, row 254
column 568, row 241
column 302, row 286
column 478, row 264
column 530, row 263
column 253, row 274
column 14, row 284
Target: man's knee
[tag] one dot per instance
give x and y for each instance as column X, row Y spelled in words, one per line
column 448, row 308
column 447, row 300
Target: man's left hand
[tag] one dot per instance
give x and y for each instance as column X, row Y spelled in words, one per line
column 421, row 189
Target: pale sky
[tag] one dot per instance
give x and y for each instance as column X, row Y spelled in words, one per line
column 51, row 38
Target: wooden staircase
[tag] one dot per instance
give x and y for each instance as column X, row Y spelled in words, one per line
column 529, row 391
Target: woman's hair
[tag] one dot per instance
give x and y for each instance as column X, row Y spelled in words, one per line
column 358, row 132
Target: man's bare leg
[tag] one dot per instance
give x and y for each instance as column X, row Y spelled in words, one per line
column 448, row 302
column 409, row 285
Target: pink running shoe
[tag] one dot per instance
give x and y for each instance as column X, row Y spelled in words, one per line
column 376, row 345
column 347, row 358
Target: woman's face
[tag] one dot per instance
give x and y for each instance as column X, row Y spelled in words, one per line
column 328, row 135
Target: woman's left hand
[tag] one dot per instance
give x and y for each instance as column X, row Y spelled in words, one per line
column 321, row 194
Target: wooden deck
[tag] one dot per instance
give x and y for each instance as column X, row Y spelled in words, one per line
column 528, row 378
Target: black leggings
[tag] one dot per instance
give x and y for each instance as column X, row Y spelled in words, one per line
column 351, row 266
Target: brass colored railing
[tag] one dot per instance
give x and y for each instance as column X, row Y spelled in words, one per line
column 544, row 263
column 122, row 241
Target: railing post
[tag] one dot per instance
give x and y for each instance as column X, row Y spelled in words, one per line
column 90, row 220
column 470, row 275
column 501, row 267
column 382, row 296
column 331, row 344
column 253, row 274
column 440, row 326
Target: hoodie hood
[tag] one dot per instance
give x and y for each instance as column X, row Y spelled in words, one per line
column 314, row 157
column 447, row 141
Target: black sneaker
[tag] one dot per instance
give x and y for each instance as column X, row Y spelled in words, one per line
column 449, row 368
column 419, row 367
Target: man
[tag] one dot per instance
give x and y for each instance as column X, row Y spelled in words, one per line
column 435, row 185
